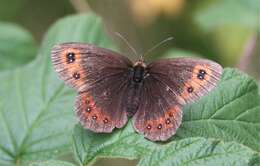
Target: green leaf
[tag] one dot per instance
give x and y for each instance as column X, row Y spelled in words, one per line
column 200, row 151
column 231, row 12
column 124, row 143
column 228, row 113
column 36, row 109
column 17, row 46
column 52, row 163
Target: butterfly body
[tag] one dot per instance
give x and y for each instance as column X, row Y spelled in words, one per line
column 111, row 89
column 137, row 76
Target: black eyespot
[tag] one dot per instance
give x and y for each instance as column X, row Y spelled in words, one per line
column 201, row 74
column 168, row 121
column 105, row 120
column 70, row 57
column 88, row 109
column 201, row 71
column 159, row 126
column 94, row 117
column 76, row 76
column 190, row 89
column 149, row 127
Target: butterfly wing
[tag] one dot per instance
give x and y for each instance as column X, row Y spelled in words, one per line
column 171, row 84
column 100, row 77
column 81, row 65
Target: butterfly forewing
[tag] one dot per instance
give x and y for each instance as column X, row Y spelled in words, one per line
column 81, row 65
column 186, row 78
column 101, row 78
column 170, row 84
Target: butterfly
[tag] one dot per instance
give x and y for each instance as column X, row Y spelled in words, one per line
column 111, row 88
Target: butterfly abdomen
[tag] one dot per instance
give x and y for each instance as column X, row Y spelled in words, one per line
column 133, row 98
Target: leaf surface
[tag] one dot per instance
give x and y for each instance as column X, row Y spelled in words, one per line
column 200, row 151
column 36, row 109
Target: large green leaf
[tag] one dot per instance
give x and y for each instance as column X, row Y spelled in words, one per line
column 17, row 46
column 88, row 146
column 36, row 110
column 228, row 113
column 200, row 151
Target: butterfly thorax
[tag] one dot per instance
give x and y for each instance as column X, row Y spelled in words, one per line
column 139, row 72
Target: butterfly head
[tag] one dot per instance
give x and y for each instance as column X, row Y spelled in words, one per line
column 140, row 63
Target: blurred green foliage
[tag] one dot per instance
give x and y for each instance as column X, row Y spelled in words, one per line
column 10, row 8
column 216, row 29
column 235, row 13
column 17, row 46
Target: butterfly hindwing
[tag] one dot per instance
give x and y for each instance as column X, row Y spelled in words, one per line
column 158, row 115
column 102, row 111
column 171, row 84
column 100, row 77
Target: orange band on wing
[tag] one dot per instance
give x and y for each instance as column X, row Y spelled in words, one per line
column 201, row 75
column 67, row 62
column 162, row 127
column 91, row 116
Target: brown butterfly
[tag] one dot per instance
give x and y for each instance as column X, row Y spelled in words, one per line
column 111, row 88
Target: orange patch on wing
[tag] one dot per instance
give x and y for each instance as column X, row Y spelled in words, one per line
column 173, row 112
column 74, row 67
column 194, row 84
column 70, row 50
column 169, row 120
column 93, row 113
column 196, row 70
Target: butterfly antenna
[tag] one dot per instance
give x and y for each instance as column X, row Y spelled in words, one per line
column 127, row 43
column 157, row 45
